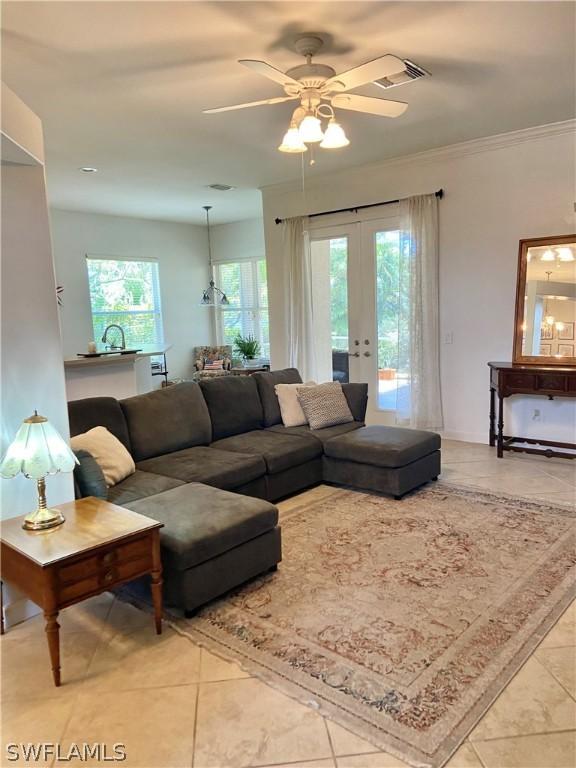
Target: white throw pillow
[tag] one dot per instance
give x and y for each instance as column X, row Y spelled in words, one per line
column 290, row 408
column 113, row 458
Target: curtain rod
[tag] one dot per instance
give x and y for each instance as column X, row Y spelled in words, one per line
column 439, row 194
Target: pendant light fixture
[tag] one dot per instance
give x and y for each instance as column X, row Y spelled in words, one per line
column 212, row 296
column 548, row 319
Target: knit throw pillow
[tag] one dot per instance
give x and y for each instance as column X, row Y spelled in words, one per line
column 325, row 405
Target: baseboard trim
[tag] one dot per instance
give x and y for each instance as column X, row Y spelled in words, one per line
column 466, row 437
column 18, row 611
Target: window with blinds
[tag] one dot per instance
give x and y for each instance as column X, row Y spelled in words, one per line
column 244, row 283
column 126, row 292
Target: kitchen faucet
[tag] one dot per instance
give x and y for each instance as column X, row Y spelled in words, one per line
column 114, row 346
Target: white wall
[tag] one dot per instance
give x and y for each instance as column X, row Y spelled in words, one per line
column 32, row 374
column 497, row 191
column 31, row 353
column 238, row 240
column 182, row 253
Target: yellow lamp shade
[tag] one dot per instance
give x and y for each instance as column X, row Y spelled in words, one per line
column 292, row 143
column 334, row 138
column 36, row 451
column 565, row 254
column 310, row 130
column 548, row 256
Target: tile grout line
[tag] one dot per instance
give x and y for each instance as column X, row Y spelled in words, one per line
column 475, row 752
column 332, row 750
column 523, row 735
column 551, row 673
column 196, row 705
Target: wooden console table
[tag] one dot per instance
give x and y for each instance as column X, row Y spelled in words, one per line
column 507, row 379
column 98, row 547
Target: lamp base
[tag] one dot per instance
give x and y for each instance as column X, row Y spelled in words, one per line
column 42, row 519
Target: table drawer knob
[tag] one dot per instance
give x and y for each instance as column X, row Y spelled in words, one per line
column 108, row 558
column 108, row 576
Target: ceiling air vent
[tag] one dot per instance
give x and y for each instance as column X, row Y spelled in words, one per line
column 221, row 187
column 412, row 72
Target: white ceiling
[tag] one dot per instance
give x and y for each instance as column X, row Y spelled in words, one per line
column 121, row 86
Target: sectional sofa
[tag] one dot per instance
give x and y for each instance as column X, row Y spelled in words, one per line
column 211, row 457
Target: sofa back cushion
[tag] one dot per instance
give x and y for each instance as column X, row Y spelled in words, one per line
column 167, row 420
column 357, row 396
column 91, row 412
column 234, row 405
column 266, row 383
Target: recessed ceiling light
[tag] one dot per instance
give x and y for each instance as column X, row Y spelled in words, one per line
column 88, row 169
column 221, row 187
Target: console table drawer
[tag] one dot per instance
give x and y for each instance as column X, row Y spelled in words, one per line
column 551, row 382
column 520, row 382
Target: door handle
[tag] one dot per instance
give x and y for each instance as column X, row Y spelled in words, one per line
column 353, row 354
column 367, row 354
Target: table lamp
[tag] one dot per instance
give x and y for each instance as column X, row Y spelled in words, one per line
column 36, row 451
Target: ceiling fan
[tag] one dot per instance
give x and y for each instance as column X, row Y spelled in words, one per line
column 319, row 90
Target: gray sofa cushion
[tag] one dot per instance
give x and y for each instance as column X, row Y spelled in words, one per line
column 223, row 469
column 234, row 405
column 88, row 477
column 383, row 446
column 357, row 397
column 98, row 412
column 279, row 451
column 320, row 434
column 139, row 485
column 167, row 420
column 266, row 383
column 201, row 522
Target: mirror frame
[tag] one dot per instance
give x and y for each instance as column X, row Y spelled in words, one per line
column 517, row 357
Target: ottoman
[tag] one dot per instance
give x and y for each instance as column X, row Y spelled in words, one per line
column 391, row 460
column 212, row 541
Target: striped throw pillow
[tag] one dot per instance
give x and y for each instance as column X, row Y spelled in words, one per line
column 213, row 365
column 325, row 405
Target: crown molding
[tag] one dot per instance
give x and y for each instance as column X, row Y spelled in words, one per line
column 448, row 152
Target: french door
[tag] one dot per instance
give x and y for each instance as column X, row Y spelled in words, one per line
column 358, row 305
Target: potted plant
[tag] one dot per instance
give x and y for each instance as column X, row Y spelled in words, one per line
column 247, row 347
column 386, row 350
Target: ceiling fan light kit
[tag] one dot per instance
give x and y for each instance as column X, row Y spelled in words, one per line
column 319, row 89
column 310, row 129
column 292, row 142
column 334, row 138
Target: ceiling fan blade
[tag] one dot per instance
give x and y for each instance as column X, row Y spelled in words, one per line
column 267, row 70
column 276, row 100
column 366, row 73
column 369, row 104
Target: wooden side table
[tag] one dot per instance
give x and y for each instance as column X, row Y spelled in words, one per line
column 100, row 546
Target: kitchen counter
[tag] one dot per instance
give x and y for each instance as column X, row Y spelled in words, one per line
column 147, row 350
column 114, row 375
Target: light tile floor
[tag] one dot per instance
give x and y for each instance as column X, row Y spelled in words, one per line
column 174, row 704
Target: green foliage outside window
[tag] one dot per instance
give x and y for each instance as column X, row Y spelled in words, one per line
column 126, row 293
column 391, row 297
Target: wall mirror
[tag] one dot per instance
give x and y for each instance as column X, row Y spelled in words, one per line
column 545, row 323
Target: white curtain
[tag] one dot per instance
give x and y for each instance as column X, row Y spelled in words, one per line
column 296, row 252
column 419, row 404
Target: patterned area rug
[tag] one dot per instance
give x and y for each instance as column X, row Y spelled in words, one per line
column 401, row 620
